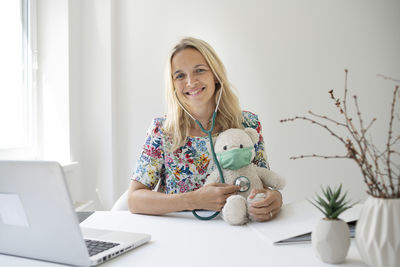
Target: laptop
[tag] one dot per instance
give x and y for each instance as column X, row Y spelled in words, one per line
column 38, row 220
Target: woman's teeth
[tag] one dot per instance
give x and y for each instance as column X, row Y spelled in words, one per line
column 195, row 92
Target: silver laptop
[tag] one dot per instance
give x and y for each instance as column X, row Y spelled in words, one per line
column 37, row 219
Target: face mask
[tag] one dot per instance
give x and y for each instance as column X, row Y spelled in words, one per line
column 236, row 158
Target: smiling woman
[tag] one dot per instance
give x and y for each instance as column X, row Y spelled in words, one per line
column 195, row 85
column 178, row 156
column 203, row 67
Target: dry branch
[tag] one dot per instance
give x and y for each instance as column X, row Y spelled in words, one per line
column 380, row 172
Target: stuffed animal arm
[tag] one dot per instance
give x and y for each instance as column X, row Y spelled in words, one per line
column 270, row 178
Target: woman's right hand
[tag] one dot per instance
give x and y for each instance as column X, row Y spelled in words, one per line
column 213, row 196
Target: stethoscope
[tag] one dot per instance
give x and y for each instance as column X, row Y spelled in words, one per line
column 241, row 181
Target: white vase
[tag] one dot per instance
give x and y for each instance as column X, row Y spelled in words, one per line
column 331, row 240
column 378, row 232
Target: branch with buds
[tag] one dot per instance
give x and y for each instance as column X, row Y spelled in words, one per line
column 380, row 169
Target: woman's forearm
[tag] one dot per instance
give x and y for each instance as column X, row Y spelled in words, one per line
column 209, row 197
column 145, row 201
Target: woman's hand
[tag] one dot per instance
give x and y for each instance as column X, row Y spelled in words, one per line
column 267, row 208
column 213, row 196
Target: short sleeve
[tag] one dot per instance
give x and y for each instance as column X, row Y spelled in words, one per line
column 250, row 120
column 150, row 167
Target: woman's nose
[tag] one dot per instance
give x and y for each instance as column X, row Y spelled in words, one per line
column 191, row 80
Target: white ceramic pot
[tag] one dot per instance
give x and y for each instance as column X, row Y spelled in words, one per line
column 331, row 240
column 378, row 232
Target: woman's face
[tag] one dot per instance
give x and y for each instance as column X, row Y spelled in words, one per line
column 193, row 79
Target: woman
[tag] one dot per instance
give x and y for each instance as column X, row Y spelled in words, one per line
column 176, row 153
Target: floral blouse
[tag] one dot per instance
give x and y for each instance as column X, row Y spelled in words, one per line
column 187, row 168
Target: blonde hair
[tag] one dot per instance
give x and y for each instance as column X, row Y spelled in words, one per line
column 178, row 122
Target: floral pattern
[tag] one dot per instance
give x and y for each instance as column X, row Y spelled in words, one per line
column 187, row 168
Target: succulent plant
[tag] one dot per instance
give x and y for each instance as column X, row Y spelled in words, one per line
column 334, row 202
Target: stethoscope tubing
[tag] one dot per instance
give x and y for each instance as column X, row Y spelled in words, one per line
column 221, row 176
column 208, row 132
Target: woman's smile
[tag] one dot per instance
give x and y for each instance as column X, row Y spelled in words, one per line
column 195, row 92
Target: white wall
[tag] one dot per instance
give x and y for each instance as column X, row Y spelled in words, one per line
column 282, row 56
column 53, row 80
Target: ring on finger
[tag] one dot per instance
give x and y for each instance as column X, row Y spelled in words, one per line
column 270, row 214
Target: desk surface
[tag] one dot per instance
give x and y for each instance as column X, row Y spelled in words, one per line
column 178, row 239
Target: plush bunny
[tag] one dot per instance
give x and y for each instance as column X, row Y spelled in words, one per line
column 235, row 152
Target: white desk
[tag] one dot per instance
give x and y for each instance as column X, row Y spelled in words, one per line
column 179, row 239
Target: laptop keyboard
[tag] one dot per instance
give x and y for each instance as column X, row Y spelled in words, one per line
column 94, row 247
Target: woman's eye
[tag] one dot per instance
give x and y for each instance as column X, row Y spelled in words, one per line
column 225, row 147
column 179, row 76
column 200, row 70
column 241, row 146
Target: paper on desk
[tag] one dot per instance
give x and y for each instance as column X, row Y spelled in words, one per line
column 297, row 219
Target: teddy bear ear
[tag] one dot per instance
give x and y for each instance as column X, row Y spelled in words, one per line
column 253, row 134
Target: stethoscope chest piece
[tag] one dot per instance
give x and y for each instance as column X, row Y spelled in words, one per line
column 243, row 182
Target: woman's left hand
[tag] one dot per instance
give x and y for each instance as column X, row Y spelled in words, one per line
column 267, row 208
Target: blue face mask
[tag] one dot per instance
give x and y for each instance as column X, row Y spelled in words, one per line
column 236, row 158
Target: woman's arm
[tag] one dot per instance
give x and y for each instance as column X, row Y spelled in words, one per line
column 210, row 197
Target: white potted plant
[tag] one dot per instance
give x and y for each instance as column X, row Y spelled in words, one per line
column 378, row 228
column 331, row 236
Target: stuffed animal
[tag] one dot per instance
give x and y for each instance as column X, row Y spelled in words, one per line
column 235, row 152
